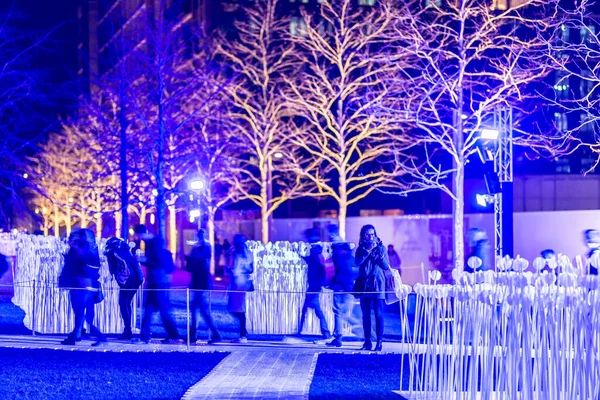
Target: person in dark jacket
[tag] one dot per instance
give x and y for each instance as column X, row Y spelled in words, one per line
column 592, row 241
column 129, row 276
column 315, row 282
column 342, row 283
column 371, row 258
column 394, row 258
column 4, row 264
column 81, row 274
column 198, row 265
column 240, row 281
column 478, row 258
column 157, row 296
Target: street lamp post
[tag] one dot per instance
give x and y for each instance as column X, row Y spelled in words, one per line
column 496, row 147
column 197, row 185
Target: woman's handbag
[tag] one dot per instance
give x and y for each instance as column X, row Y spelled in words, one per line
column 99, row 295
column 250, row 285
column 390, row 286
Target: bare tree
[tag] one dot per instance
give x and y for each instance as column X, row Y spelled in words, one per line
column 169, row 70
column 467, row 60
column 351, row 147
column 69, row 183
column 259, row 59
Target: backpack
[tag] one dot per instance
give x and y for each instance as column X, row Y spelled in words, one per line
column 122, row 270
column 166, row 261
column 329, row 268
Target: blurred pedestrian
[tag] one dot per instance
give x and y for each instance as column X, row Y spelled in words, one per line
column 128, row 273
column 394, row 258
column 371, row 258
column 226, row 253
column 198, row 265
column 315, row 281
column 218, row 253
column 4, row 264
column 240, row 282
column 159, row 263
column 81, row 274
column 592, row 241
column 343, row 281
column 478, row 258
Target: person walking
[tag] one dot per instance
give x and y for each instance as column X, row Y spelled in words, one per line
column 81, row 274
column 128, row 273
column 159, row 263
column 478, row 258
column 240, row 282
column 592, row 241
column 315, row 281
column 394, row 258
column 343, row 281
column 371, row 258
column 226, row 253
column 198, row 265
column 218, row 254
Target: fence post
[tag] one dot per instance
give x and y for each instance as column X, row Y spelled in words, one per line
column 187, row 314
column 33, row 309
column 209, row 308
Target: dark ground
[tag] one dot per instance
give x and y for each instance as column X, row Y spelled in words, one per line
column 59, row 374
column 357, row 376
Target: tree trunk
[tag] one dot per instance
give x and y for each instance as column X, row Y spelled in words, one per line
column 172, row 230
column 458, row 178
column 99, row 227
column 46, row 225
column 210, row 227
column 68, row 221
column 143, row 214
column 123, row 163
column 265, row 195
column 161, row 206
column 118, row 226
column 270, row 197
column 458, row 213
column 342, row 207
column 56, row 222
column 83, row 219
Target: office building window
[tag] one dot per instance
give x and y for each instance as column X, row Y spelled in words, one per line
column 561, row 121
column 587, row 34
column 297, row 26
column 563, row 166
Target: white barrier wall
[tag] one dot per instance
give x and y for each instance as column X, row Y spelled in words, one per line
column 427, row 239
column 273, row 308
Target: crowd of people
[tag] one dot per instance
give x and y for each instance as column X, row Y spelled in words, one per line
column 363, row 274
column 360, row 275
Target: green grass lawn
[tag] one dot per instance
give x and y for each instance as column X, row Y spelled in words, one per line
column 60, row 374
column 356, row 376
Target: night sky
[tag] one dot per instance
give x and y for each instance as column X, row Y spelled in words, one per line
column 56, row 59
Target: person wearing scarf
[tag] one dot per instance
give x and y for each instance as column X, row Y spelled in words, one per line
column 371, row 258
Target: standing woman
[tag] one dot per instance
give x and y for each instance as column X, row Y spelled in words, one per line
column 82, row 266
column 371, row 258
column 239, row 283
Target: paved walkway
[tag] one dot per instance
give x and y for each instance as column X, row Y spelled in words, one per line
column 258, row 374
